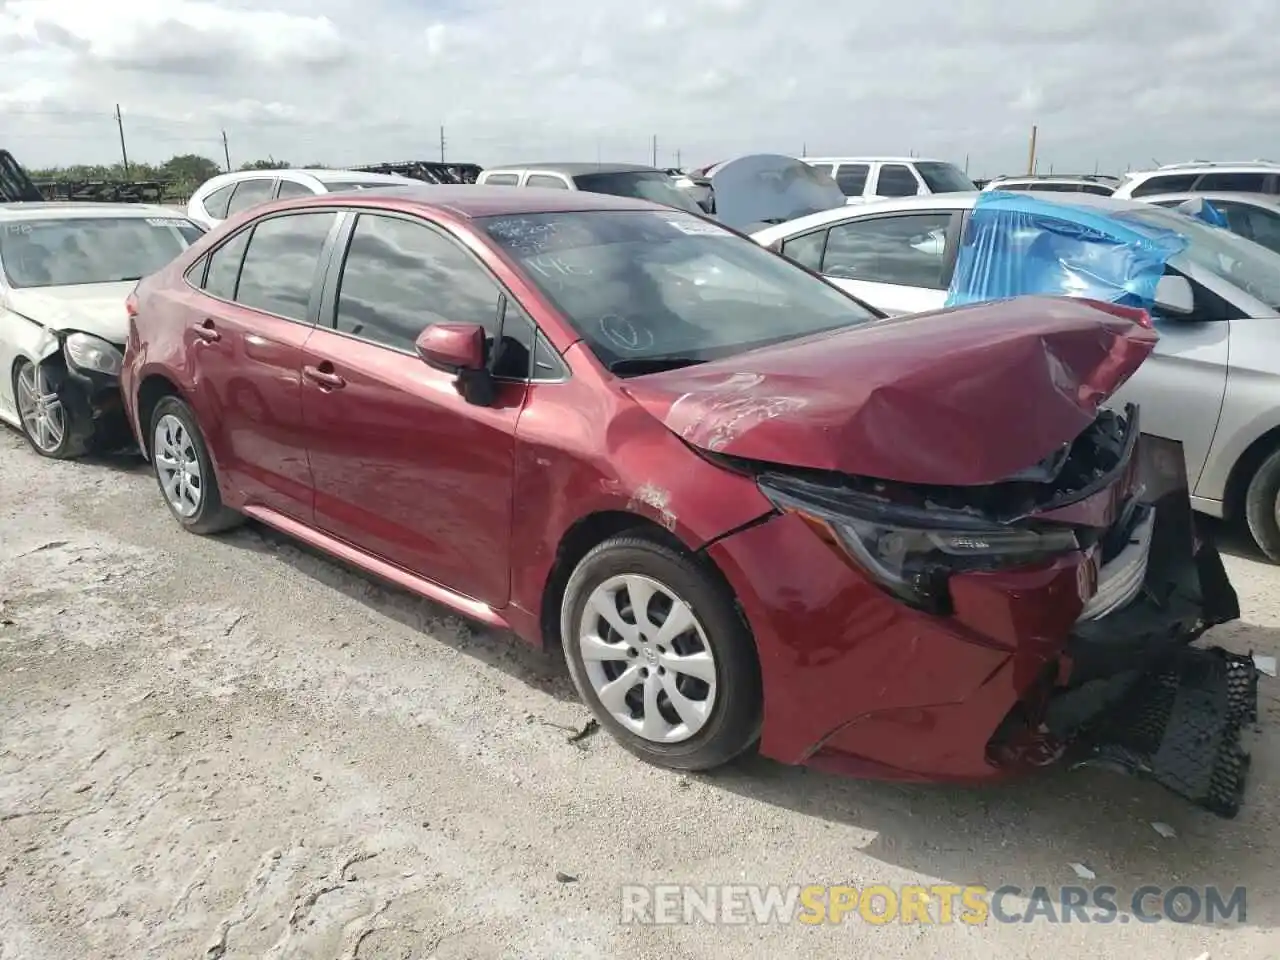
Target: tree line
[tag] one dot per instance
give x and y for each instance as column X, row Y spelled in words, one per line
column 183, row 172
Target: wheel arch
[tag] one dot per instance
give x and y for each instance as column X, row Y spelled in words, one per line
column 593, row 529
column 153, row 388
column 1243, row 469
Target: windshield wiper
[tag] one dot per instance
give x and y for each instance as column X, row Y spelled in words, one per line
column 638, row 365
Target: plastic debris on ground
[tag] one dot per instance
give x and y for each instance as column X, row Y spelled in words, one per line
column 1163, row 829
column 1265, row 665
column 1083, row 872
column 1017, row 245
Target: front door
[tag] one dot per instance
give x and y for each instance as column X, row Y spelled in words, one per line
column 896, row 262
column 404, row 467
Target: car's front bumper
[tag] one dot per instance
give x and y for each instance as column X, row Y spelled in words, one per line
column 857, row 682
column 94, row 402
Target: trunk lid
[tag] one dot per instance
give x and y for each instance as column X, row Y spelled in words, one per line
column 960, row 397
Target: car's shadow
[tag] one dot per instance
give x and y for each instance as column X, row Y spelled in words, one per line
column 1026, row 833
column 544, row 670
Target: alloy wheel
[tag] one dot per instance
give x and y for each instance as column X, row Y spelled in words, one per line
column 178, row 466
column 647, row 658
column 43, row 415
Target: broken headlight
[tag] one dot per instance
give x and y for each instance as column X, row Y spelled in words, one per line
column 87, row 352
column 911, row 552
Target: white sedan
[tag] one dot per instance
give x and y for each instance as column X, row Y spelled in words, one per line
column 1213, row 378
column 65, row 271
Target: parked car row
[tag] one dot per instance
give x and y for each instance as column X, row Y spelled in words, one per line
column 752, row 509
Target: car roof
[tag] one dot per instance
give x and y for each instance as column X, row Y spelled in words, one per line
column 937, row 201
column 575, row 169
column 1257, row 199
column 474, row 200
column 351, row 176
column 873, row 160
column 81, row 210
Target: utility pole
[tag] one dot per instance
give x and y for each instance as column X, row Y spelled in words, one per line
column 678, row 167
column 966, row 163
column 804, row 149
column 226, row 151
column 124, row 154
column 655, row 150
column 1031, row 157
column 442, row 143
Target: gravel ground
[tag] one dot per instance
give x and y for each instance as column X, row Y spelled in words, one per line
column 233, row 748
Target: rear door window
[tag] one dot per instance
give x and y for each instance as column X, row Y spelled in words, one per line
column 215, row 204
column 224, row 267
column 292, row 188
column 546, row 180
column 1233, row 182
column 851, row 178
column 250, row 193
column 1165, row 183
column 806, row 250
column 282, row 263
column 896, row 180
column 826, row 168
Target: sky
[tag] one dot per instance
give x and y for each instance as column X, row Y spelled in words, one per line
column 1111, row 84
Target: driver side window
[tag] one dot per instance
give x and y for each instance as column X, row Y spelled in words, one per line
column 910, row 250
column 400, row 276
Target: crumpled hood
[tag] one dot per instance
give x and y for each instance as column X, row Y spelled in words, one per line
column 96, row 308
column 965, row 396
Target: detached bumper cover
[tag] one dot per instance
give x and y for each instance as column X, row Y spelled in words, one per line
column 1181, row 727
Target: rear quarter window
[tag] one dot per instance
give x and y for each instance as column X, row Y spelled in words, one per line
column 1165, row 183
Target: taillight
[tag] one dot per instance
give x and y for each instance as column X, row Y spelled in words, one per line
column 131, row 303
column 1138, row 315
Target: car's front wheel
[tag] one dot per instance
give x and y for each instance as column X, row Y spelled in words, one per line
column 42, row 409
column 184, row 470
column 1262, row 506
column 659, row 652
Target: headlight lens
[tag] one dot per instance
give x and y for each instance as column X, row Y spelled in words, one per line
column 88, row 352
column 903, row 554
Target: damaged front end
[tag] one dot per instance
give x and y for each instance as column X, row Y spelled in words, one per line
column 1101, row 645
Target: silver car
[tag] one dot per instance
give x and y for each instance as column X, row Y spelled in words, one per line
column 1212, row 383
column 1255, row 216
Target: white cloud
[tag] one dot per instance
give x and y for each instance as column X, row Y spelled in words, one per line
column 344, row 81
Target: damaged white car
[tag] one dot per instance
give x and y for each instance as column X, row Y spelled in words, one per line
column 65, row 271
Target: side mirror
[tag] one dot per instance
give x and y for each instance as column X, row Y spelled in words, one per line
column 1175, row 296
column 452, row 347
column 459, row 349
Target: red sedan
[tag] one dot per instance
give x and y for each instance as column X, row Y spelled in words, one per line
column 751, row 510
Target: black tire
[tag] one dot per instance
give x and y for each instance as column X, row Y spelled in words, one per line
column 212, row 515
column 1261, row 499
column 733, row 726
column 76, row 435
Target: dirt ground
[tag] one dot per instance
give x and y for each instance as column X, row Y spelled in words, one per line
column 233, row 748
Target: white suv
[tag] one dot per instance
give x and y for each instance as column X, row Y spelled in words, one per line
column 227, row 194
column 866, row 178
column 1252, row 176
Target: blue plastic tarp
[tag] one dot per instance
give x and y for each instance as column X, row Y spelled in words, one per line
column 1017, row 245
column 1202, row 209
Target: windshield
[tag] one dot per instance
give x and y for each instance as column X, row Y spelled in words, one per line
column 1251, row 267
column 640, row 185
column 642, row 286
column 944, row 177
column 69, row 251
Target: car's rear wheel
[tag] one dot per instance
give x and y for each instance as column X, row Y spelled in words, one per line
column 659, row 652
column 184, row 470
column 1262, row 506
column 46, row 420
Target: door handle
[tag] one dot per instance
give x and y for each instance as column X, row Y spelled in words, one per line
column 325, row 378
column 205, row 331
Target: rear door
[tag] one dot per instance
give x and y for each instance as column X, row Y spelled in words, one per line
column 404, row 467
column 898, row 262
column 260, row 294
